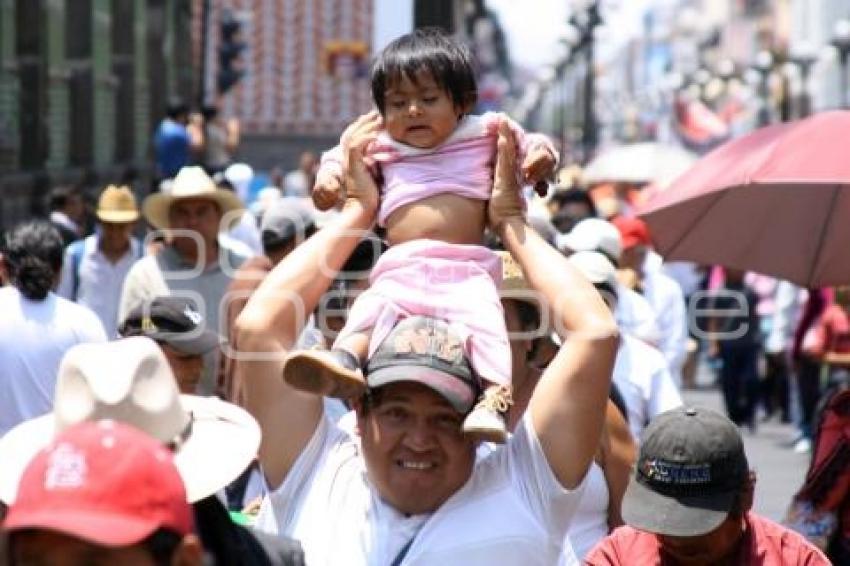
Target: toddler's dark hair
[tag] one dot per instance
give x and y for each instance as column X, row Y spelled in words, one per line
column 447, row 60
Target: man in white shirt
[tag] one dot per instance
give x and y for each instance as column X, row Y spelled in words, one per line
column 662, row 292
column 406, row 487
column 94, row 269
column 37, row 327
column 633, row 312
column 640, row 371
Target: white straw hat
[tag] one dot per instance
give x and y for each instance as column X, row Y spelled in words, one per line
column 190, row 182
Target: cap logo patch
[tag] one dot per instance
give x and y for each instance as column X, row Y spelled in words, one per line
column 148, row 325
column 672, row 473
column 423, row 341
column 193, row 315
column 66, row 468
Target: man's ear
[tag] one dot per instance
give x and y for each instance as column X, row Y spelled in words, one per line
column 189, row 552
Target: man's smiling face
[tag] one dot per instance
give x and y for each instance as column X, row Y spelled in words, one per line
column 415, row 452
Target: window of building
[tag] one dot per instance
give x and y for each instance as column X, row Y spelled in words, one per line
column 78, row 52
column 158, row 88
column 123, row 67
column 30, row 50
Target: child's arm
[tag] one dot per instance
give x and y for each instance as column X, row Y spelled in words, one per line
column 537, row 154
column 329, row 188
column 327, row 191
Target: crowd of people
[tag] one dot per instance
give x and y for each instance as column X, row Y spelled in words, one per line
column 414, row 351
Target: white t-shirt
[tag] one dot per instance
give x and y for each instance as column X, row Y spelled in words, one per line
column 99, row 281
column 644, row 381
column 635, row 315
column 666, row 298
column 34, row 335
column 511, row 511
column 591, row 521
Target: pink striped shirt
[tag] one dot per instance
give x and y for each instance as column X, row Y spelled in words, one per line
column 461, row 165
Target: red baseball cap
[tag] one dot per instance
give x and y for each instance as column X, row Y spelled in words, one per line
column 103, row 482
column 633, row 231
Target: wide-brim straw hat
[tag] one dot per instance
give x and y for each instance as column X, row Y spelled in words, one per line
column 129, row 380
column 190, row 183
column 117, row 204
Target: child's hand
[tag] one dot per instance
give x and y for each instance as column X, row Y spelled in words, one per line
column 327, row 191
column 539, row 165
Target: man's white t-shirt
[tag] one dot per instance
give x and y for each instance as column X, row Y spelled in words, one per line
column 511, row 511
column 98, row 280
column 34, row 336
column 634, row 314
column 643, row 379
column 668, row 303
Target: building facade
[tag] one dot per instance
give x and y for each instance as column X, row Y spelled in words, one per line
column 83, row 84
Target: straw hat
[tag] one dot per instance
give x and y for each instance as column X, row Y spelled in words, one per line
column 130, row 381
column 512, row 276
column 117, row 204
column 190, row 183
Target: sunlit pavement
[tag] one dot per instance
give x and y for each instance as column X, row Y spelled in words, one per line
column 779, row 470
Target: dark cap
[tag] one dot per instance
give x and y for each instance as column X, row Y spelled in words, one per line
column 690, row 471
column 428, row 351
column 173, row 320
column 287, row 218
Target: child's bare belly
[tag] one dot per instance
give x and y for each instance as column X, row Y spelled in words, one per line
column 446, row 217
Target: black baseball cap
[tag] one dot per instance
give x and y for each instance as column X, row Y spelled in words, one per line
column 172, row 320
column 428, row 351
column 690, row 471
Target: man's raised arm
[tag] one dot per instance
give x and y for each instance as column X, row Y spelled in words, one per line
column 568, row 405
column 273, row 318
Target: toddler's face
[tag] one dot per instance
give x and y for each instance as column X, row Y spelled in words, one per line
column 420, row 114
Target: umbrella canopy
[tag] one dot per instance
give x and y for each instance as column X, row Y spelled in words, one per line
column 776, row 201
column 639, row 163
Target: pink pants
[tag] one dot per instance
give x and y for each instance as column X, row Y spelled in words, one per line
column 452, row 282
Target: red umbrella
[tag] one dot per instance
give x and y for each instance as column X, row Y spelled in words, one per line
column 776, row 201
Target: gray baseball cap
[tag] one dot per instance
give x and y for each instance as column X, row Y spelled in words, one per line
column 175, row 321
column 690, row 471
column 428, row 351
column 287, row 218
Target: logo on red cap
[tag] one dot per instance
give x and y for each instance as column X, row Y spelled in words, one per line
column 66, row 468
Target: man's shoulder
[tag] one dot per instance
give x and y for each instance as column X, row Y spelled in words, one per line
column 834, row 313
column 626, row 545
column 144, row 264
column 8, row 295
column 77, row 315
column 788, row 546
column 665, row 283
column 638, row 347
column 331, row 448
column 637, row 353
